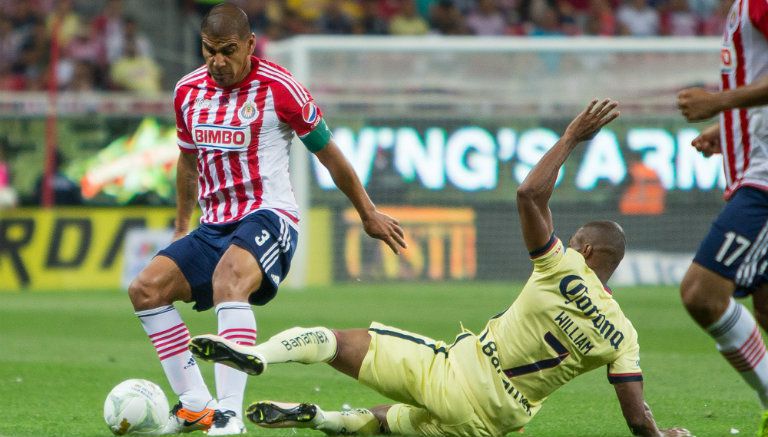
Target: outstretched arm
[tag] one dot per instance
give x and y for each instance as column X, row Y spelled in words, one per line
column 375, row 223
column 638, row 414
column 534, row 193
column 699, row 104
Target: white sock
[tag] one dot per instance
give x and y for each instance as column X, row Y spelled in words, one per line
column 299, row 345
column 738, row 339
column 236, row 323
column 170, row 337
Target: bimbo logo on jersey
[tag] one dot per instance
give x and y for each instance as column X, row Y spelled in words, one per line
column 222, row 137
column 310, row 113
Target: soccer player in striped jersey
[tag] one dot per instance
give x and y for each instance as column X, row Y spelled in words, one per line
column 731, row 260
column 564, row 323
column 235, row 118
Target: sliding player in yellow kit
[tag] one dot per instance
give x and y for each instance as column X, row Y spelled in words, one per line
column 564, row 323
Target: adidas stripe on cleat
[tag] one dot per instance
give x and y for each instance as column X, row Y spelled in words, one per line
column 282, row 415
column 218, row 349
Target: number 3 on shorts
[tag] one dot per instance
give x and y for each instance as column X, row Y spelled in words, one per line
column 742, row 244
column 260, row 240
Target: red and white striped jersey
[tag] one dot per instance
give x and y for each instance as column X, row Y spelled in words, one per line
column 242, row 135
column 744, row 132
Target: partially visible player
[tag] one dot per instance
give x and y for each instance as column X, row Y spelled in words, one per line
column 564, row 323
column 235, row 117
column 731, row 259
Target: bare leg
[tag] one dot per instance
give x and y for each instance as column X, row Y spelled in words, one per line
column 237, row 275
column 160, row 283
column 705, row 294
column 760, row 301
column 351, row 347
column 381, row 415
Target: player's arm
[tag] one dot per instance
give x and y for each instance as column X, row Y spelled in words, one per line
column 306, row 119
column 186, row 192
column 376, row 224
column 699, row 104
column 186, row 168
column 534, row 193
column 638, row 414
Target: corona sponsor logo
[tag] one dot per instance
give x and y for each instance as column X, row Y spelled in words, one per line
column 575, row 291
column 222, row 137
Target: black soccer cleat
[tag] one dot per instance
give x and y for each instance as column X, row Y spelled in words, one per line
column 271, row 414
column 220, row 350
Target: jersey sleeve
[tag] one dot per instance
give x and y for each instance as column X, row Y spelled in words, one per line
column 549, row 256
column 758, row 14
column 626, row 368
column 183, row 136
column 295, row 106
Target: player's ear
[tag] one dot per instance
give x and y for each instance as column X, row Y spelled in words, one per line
column 586, row 250
column 251, row 43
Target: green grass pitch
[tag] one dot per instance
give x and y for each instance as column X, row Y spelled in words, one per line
column 60, row 353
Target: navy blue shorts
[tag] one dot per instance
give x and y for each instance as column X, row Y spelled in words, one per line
column 267, row 236
column 737, row 242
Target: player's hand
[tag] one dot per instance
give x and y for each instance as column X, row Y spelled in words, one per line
column 708, row 141
column 386, row 229
column 676, row 432
column 698, row 104
column 592, row 119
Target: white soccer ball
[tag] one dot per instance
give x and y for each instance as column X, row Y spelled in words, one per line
column 136, row 406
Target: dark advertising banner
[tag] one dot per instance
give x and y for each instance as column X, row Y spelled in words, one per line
column 442, row 245
column 485, row 243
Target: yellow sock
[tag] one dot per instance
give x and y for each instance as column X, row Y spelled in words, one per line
column 357, row 422
column 299, row 345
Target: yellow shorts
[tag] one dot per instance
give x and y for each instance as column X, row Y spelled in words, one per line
column 449, row 390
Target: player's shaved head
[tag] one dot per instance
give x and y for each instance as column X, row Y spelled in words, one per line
column 607, row 240
column 227, row 44
column 224, row 20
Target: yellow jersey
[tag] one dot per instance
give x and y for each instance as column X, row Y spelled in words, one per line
column 563, row 323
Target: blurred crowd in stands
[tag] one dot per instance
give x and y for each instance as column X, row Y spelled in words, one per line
column 284, row 18
column 104, row 48
column 106, row 51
